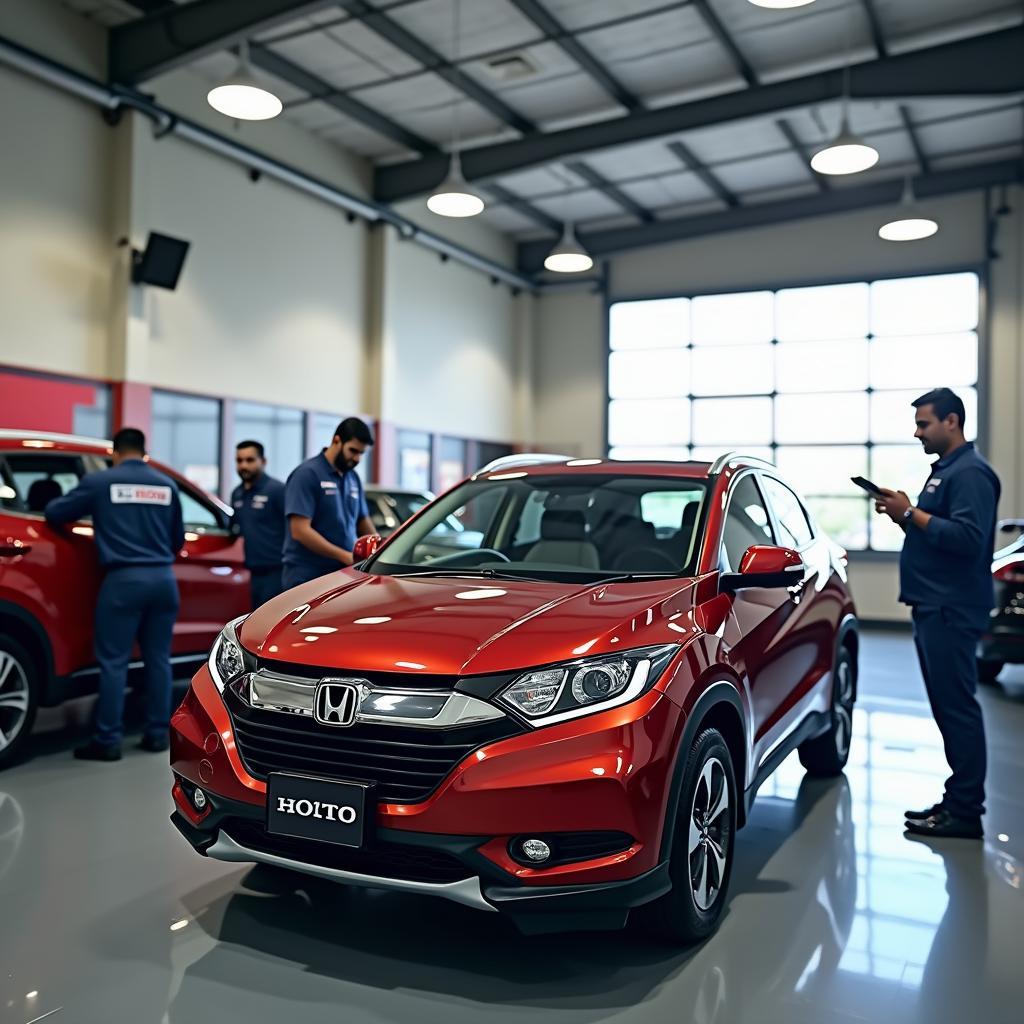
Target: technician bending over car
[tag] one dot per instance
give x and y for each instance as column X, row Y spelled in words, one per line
column 325, row 507
column 946, row 578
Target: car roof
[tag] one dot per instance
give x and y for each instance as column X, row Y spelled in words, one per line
column 692, row 470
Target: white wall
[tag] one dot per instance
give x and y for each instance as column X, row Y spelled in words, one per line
column 570, row 348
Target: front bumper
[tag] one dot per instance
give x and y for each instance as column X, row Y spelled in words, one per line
column 608, row 772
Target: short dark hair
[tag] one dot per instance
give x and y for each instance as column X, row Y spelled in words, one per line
column 129, row 439
column 944, row 401
column 354, row 429
column 251, row 444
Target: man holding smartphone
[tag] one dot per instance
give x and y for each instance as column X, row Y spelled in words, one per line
column 946, row 578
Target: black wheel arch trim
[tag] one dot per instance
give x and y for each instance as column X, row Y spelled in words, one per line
column 847, row 626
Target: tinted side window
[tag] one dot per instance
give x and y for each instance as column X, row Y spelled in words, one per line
column 31, row 481
column 746, row 523
column 795, row 530
column 196, row 515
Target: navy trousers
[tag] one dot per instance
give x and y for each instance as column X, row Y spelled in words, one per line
column 946, row 639
column 264, row 584
column 134, row 603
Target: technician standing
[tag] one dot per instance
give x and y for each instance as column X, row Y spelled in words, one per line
column 946, row 578
column 258, row 502
column 137, row 522
column 326, row 507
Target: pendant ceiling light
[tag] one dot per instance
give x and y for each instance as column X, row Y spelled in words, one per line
column 241, row 96
column 910, row 225
column 569, row 256
column 846, row 153
column 779, row 5
column 453, row 197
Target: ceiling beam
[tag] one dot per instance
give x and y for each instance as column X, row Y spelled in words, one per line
column 875, row 25
column 611, row 190
column 721, row 33
column 553, row 29
column 824, row 185
column 915, row 140
column 711, row 181
column 605, row 243
column 181, row 33
column 980, row 66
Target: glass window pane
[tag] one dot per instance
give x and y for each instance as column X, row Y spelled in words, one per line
column 823, row 470
column 828, row 419
column 452, row 464
column 900, row 467
column 806, row 366
column 653, row 323
column 665, row 420
column 845, row 520
column 821, row 313
column 732, row 421
column 892, row 416
column 649, row 373
column 746, row 523
column 633, row 454
column 938, row 303
column 735, row 319
column 186, row 436
column 885, row 534
column 414, row 460
column 918, row 362
column 279, row 430
column 712, row 452
column 733, row 370
column 795, row 530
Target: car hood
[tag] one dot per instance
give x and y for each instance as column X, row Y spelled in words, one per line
column 463, row 626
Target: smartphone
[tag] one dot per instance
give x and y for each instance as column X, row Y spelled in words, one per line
column 867, row 485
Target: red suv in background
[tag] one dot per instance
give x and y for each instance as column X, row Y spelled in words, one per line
column 568, row 721
column 49, row 579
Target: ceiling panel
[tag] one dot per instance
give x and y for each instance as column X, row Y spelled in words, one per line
column 737, row 140
column 538, row 181
column 667, row 190
column 580, row 205
column 485, row 25
column 767, row 172
column 577, row 14
column 942, row 20
column 504, row 218
column 980, row 130
column 357, row 138
column 965, row 158
column 645, row 158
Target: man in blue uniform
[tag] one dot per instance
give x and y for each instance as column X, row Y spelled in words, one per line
column 946, row 578
column 258, row 502
column 137, row 523
column 326, row 507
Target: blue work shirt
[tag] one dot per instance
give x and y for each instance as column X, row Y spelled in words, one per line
column 259, row 512
column 332, row 501
column 136, row 514
column 950, row 562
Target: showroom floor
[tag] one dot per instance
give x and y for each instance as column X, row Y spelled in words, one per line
column 107, row 916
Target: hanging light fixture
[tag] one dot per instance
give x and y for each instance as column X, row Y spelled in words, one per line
column 453, row 197
column 568, row 256
column 779, row 5
column 910, row 225
column 846, row 153
column 241, row 96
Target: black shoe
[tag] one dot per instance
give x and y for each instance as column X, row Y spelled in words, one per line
column 921, row 815
column 154, row 744
column 942, row 825
column 93, row 751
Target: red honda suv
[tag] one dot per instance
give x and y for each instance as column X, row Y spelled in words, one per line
column 562, row 724
column 49, row 579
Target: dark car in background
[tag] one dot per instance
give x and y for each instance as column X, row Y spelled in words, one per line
column 391, row 507
column 49, row 578
column 1003, row 643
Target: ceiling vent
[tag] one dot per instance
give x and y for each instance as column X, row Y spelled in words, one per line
column 511, row 67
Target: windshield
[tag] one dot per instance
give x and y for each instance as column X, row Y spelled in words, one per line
column 569, row 526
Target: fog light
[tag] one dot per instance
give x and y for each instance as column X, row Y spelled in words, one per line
column 199, row 800
column 536, row 850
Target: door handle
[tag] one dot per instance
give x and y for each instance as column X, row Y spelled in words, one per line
column 13, row 550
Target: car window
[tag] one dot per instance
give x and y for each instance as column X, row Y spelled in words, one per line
column 795, row 530
column 746, row 523
column 196, row 514
column 33, row 480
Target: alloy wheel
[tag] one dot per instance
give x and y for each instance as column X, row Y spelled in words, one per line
column 709, row 834
column 843, row 710
column 14, row 698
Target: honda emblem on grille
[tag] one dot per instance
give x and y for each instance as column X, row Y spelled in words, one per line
column 336, row 703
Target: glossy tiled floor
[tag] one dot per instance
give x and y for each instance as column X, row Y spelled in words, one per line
column 106, row 916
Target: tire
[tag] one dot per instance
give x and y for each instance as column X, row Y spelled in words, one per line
column 19, row 699
column 988, row 671
column 702, row 848
column 826, row 755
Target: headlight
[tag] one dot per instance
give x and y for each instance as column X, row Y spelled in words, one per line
column 227, row 659
column 560, row 692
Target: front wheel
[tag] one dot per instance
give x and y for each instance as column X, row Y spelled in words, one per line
column 702, row 845
column 828, row 753
column 19, row 689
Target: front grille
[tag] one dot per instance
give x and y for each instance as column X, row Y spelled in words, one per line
column 405, row 763
column 384, row 860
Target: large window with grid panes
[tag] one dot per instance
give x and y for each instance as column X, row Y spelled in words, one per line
column 818, row 380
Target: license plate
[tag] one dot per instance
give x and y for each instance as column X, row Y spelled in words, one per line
column 309, row 808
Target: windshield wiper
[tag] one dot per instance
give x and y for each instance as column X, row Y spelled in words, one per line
column 489, row 574
column 631, row 577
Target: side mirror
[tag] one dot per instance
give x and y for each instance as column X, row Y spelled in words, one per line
column 366, row 546
column 764, row 565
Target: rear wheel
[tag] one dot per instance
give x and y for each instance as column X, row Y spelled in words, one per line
column 702, row 845
column 988, row 670
column 828, row 753
column 19, row 690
